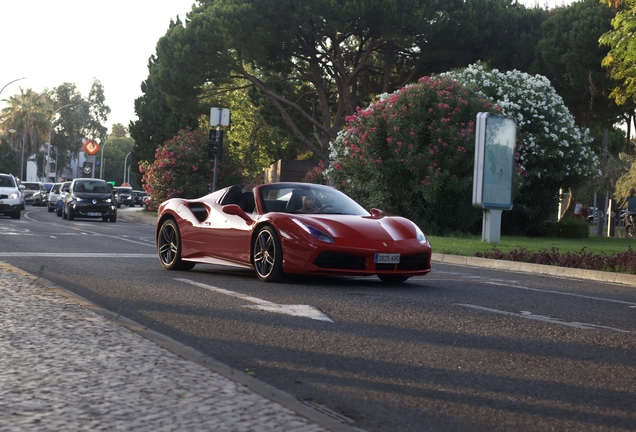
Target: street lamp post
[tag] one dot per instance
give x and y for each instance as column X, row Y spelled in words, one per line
column 125, row 162
column 10, row 82
column 13, row 131
column 55, row 171
column 101, row 163
column 48, row 148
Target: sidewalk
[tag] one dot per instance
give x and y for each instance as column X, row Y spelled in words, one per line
column 68, row 365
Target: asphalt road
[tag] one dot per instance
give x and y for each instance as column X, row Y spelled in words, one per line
column 461, row 349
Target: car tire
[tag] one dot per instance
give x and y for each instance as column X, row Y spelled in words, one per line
column 113, row 218
column 16, row 214
column 169, row 247
column 51, row 209
column 267, row 255
column 70, row 215
column 393, row 278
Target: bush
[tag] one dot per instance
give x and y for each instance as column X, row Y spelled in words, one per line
column 411, row 153
column 182, row 169
column 624, row 262
column 568, row 228
column 552, row 152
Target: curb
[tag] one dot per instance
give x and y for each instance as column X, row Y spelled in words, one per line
column 548, row 270
column 138, row 216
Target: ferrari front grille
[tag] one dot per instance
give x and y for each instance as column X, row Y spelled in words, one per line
column 414, row 262
column 340, row 261
column 408, row 262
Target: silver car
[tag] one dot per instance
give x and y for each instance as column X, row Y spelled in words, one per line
column 29, row 189
column 60, row 198
column 53, row 197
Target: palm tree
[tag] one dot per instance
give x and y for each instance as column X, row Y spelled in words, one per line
column 29, row 113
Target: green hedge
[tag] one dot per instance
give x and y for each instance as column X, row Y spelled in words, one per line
column 568, row 228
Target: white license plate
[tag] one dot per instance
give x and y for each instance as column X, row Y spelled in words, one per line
column 93, row 214
column 383, row 258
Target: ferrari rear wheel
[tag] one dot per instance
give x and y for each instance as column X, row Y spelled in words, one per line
column 169, row 247
column 393, row 278
column 268, row 255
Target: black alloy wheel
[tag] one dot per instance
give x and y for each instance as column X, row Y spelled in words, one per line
column 268, row 255
column 169, row 247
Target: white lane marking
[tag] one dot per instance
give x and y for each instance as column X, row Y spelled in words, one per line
column 306, row 311
column 75, row 255
column 82, row 231
column 563, row 293
column 531, row 316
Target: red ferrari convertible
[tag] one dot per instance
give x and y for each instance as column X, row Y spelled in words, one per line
column 289, row 228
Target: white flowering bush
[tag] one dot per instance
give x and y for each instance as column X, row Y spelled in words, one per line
column 552, row 152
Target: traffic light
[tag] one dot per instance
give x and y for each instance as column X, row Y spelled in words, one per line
column 215, row 145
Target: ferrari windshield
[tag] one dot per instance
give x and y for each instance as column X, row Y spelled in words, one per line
column 290, row 198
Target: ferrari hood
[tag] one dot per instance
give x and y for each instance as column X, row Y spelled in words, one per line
column 378, row 229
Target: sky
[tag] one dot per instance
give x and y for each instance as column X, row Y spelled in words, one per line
column 52, row 42
column 49, row 43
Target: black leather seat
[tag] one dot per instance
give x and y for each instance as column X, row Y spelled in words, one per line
column 295, row 202
column 232, row 196
column 246, row 202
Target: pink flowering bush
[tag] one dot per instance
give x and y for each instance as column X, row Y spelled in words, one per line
column 182, row 169
column 411, row 154
column 317, row 174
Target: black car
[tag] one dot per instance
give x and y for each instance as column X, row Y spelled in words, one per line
column 90, row 198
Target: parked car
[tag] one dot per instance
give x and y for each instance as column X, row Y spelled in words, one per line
column 60, row 198
column 90, row 198
column 41, row 197
column 138, row 196
column 594, row 213
column 11, row 202
column 30, row 188
column 258, row 229
column 51, row 202
column 123, row 194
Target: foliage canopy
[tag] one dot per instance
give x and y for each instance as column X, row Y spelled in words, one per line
column 315, row 62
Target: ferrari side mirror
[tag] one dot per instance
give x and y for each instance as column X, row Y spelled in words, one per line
column 233, row 209
column 376, row 212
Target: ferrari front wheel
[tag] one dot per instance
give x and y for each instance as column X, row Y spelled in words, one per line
column 268, row 255
column 169, row 247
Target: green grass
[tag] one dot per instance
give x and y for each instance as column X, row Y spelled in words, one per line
column 469, row 245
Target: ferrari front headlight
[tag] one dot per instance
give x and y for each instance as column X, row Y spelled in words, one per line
column 419, row 235
column 314, row 232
